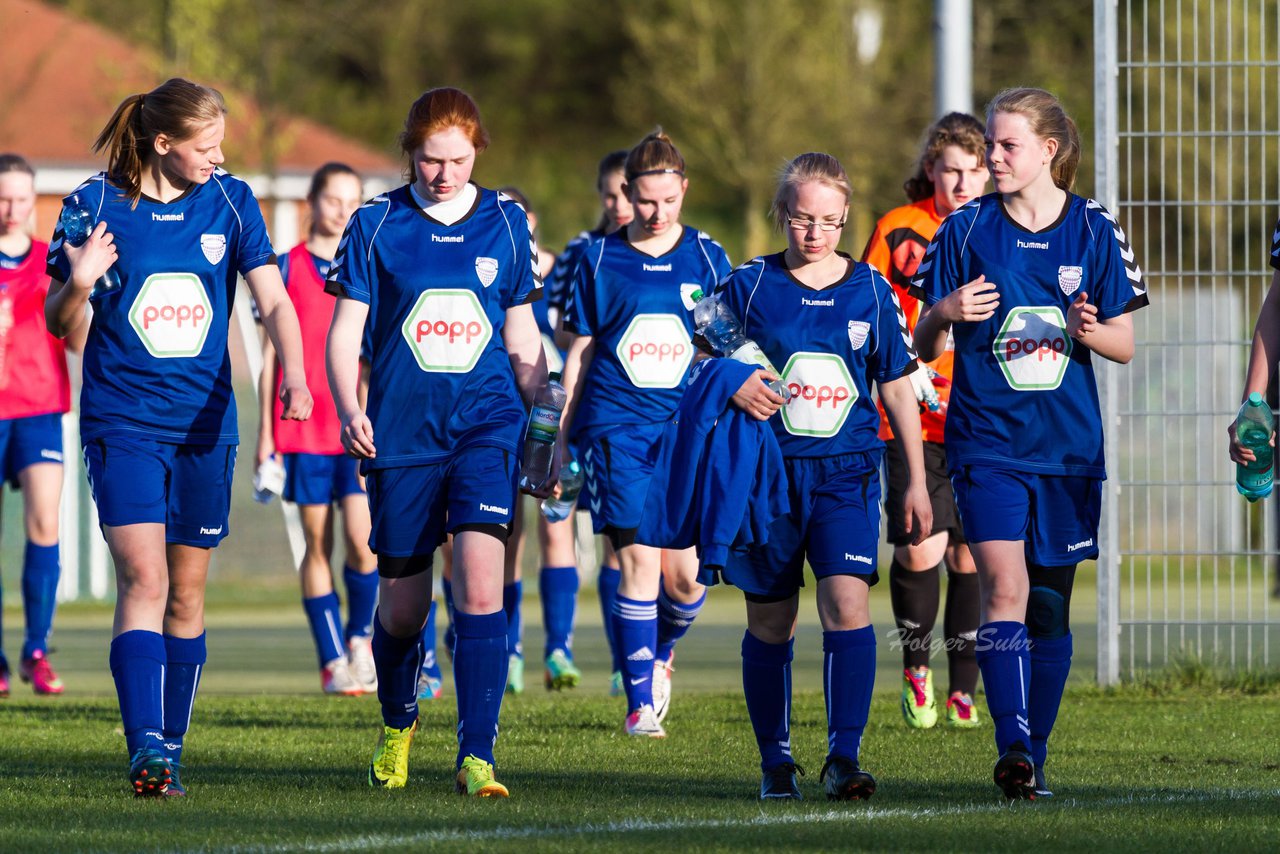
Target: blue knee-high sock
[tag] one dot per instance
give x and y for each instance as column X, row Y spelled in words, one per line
column 397, row 661
column 674, row 619
column 137, row 666
column 558, row 589
column 512, row 599
column 480, row 677
column 607, row 586
column 430, row 666
column 848, row 675
column 766, row 682
column 324, row 614
column 1005, row 662
column 635, row 626
column 186, row 658
column 362, row 599
column 1050, row 664
column 40, row 572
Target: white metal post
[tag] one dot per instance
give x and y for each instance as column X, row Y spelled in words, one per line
column 953, row 56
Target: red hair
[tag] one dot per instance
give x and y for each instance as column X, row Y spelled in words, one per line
column 441, row 109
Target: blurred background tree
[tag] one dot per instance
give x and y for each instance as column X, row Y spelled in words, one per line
column 741, row 85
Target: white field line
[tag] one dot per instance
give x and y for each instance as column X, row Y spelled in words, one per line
column 854, row 815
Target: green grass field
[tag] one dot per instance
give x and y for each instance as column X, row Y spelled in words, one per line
column 272, row 766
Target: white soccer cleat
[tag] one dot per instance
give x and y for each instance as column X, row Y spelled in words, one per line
column 336, row 678
column 644, row 724
column 360, row 663
column 662, row 688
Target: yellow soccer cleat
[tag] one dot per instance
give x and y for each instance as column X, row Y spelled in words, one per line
column 475, row 778
column 918, row 707
column 390, row 765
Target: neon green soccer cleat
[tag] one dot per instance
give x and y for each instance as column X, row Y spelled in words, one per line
column 918, row 707
column 390, row 765
column 475, row 778
column 561, row 672
column 515, row 674
column 615, row 684
column 961, row 712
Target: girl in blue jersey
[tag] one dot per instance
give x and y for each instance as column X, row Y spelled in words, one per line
column 835, row 325
column 615, row 213
column 440, row 273
column 318, row 473
column 157, row 414
column 1031, row 281
column 631, row 308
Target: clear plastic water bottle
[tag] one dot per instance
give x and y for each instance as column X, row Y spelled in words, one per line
column 558, row 508
column 78, row 223
column 715, row 322
column 1254, row 426
column 268, row 480
column 540, row 437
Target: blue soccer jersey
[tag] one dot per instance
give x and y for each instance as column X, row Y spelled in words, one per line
column 1025, row 396
column 156, row 361
column 639, row 311
column 440, row 375
column 561, row 278
column 828, row 345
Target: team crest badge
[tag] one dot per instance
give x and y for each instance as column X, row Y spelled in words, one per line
column 858, row 331
column 486, row 270
column 1069, row 279
column 214, row 246
column 687, row 290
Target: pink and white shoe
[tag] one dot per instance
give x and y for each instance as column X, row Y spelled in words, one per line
column 40, row 674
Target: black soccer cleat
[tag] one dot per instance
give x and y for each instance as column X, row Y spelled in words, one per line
column 1015, row 774
column 1042, row 785
column 845, row 781
column 779, row 783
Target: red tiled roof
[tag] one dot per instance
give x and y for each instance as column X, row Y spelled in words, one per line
column 61, row 78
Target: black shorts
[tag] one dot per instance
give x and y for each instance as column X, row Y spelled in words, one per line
column 946, row 517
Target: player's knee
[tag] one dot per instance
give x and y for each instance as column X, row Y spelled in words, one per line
column 1049, row 603
column 682, row 589
column 185, row 604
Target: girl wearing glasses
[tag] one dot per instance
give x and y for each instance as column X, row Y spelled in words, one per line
column 951, row 171
column 835, row 324
column 1025, row 433
column 631, row 306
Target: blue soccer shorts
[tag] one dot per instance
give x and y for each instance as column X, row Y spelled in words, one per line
column 1055, row 515
column 618, row 466
column 320, row 478
column 834, row 522
column 27, row 441
column 414, row 508
column 185, row 487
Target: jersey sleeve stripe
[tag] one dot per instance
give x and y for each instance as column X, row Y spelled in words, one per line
column 1132, row 271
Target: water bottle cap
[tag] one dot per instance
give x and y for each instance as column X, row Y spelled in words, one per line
column 554, row 377
column 697, row 295
column 1255, row 399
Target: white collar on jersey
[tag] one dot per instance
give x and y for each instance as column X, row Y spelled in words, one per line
column 450, row 211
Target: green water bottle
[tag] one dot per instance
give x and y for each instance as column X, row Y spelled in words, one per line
column 1254, row 426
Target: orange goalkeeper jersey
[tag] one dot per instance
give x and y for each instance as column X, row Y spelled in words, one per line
column 895, row 249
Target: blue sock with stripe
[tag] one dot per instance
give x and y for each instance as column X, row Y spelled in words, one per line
column 635, row 625
column 512, row 599
column 607, row 586
column 430, row 666
column 362, row 600
column 40, row 570
column 397, row 661
column 1050, row 664
column 848, row 675
column 324, row 615
column 186, row 658
column 480, row 677
column 766, row 683
column 137, row 666
column 674, row 619
column 558, row 589
column 1005, row 661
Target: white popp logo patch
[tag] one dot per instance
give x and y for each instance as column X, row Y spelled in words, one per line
column 447, row 330
column 822, row 394
column 171, row 315
column 486, row 270
column 214, row 247
column 687, row 290
column 1069, row 279
column 858, row 332
column 1032, row 348
column 655, row 351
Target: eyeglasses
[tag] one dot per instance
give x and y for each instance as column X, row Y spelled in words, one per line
column 803, row 224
